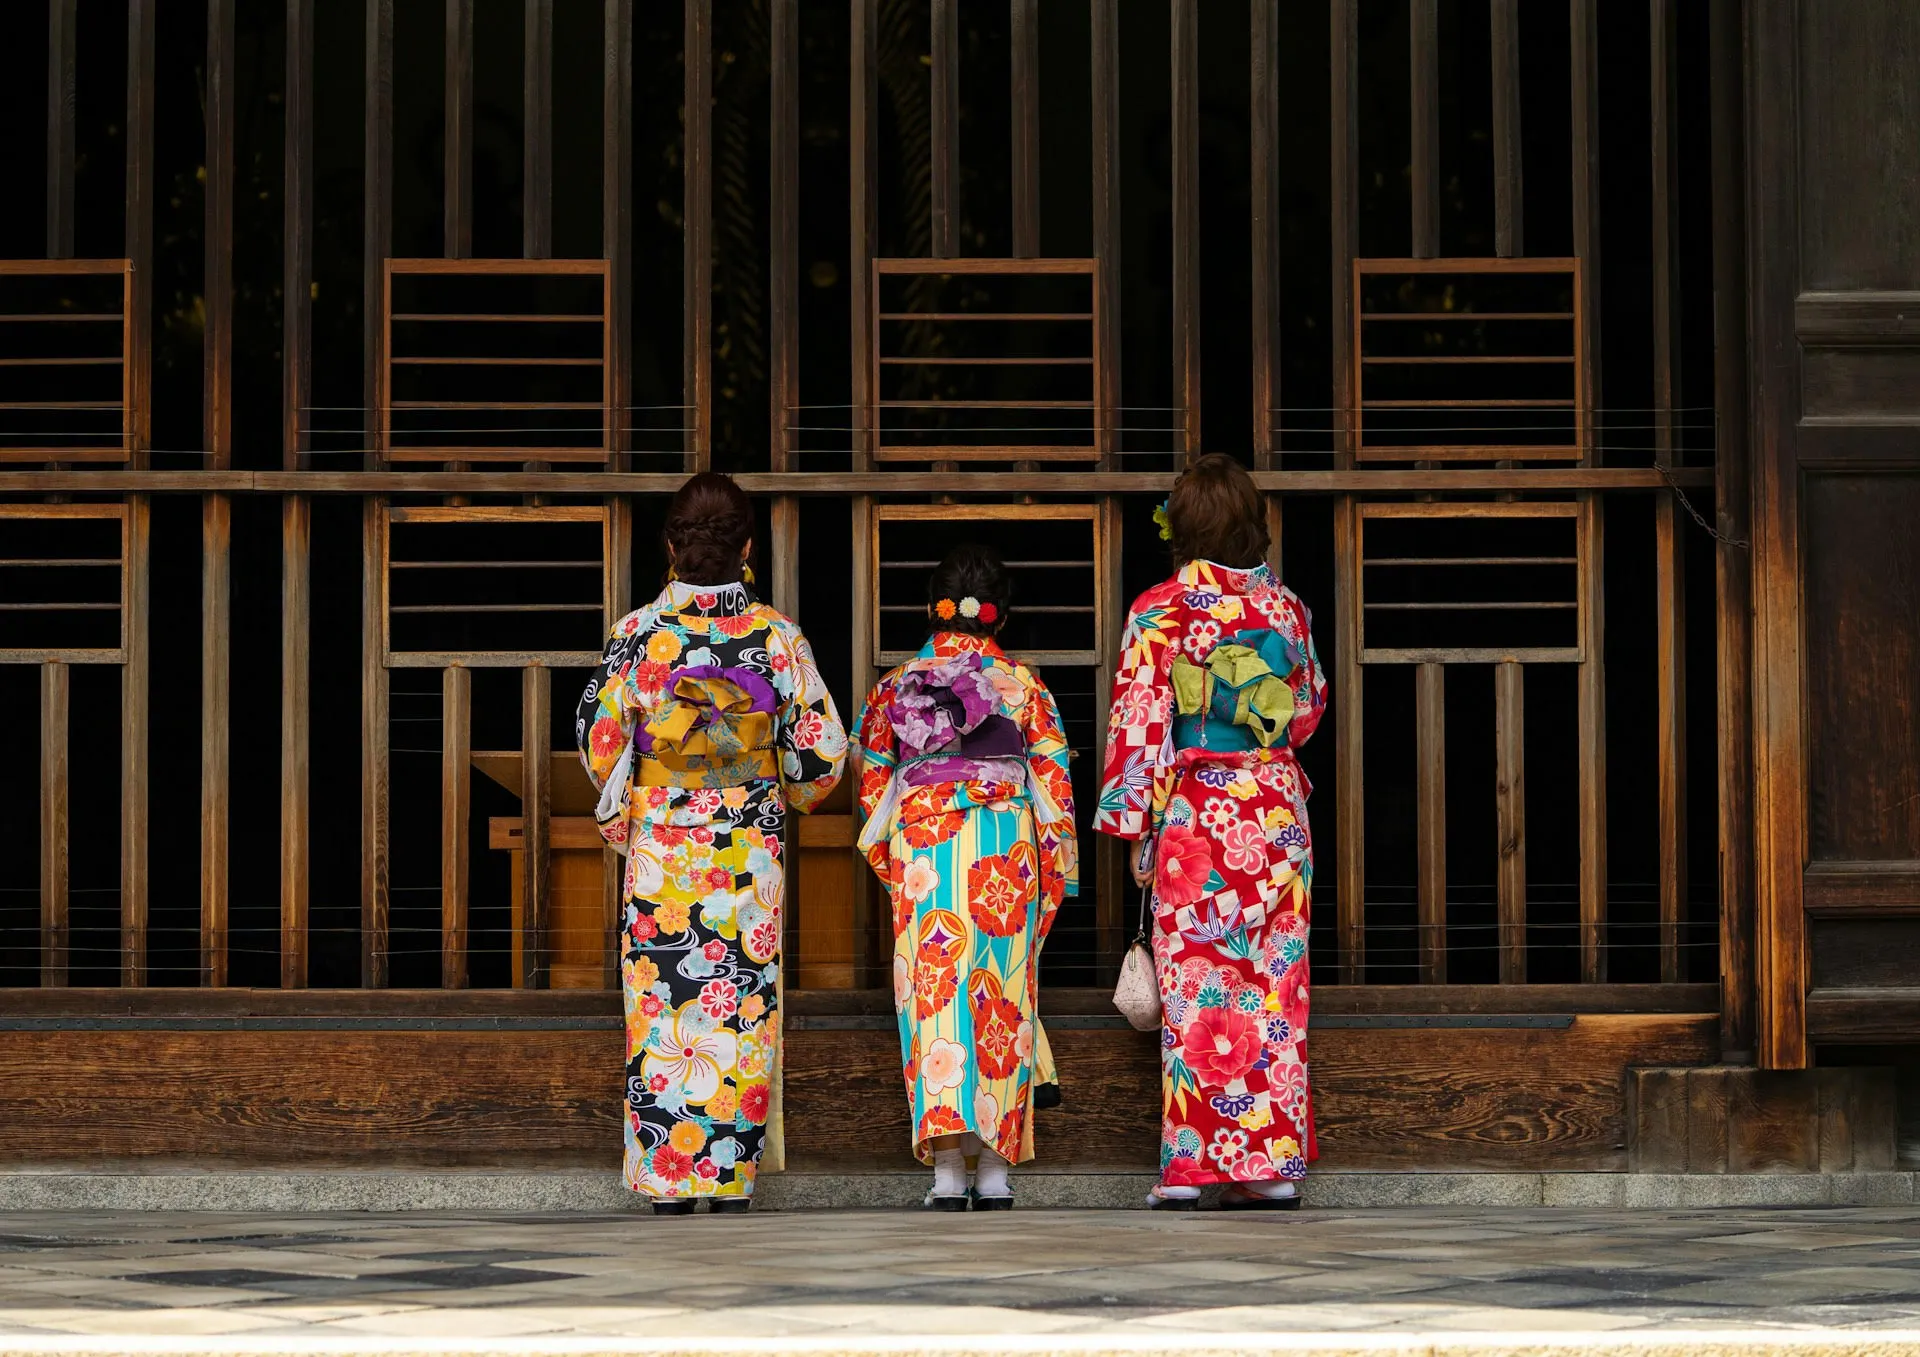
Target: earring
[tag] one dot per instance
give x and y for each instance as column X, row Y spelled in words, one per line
column 746, row 573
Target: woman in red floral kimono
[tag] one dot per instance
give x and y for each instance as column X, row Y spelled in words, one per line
column 1216, row 687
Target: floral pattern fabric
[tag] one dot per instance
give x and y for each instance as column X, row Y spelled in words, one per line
column 965, row 786
column 1232, row 884
column 703, row 892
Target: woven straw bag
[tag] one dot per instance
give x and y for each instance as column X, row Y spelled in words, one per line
column 1137, row 996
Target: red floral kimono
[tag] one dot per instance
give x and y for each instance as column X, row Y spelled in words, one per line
column 1226, row 810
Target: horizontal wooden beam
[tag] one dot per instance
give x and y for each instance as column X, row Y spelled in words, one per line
column 1479, row 480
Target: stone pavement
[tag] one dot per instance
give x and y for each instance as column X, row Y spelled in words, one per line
column 1426, row 1280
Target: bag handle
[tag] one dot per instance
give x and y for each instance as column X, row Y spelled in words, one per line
column 1143, row 933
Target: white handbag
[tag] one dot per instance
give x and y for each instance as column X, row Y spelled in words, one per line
column 1137, row 995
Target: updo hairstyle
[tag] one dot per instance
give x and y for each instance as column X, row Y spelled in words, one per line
column 709, row 524
column 1216, row 514
column 970, row 571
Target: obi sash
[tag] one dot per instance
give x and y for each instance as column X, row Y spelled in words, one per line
column 1239, row 697
column 714, row 727
column 952, row 725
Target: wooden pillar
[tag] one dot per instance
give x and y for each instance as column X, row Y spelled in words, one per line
column 1423, row 84
column 457, row 175
column 1263, row 178
column 139, row 234
column 456, row 816
column 1509, row 198
column 62, row 35
column 1733, row 566
column 135, row 708
column 1105, row 19
column 216, row 535
column 375, row 780
column 377, row 226
column 1023, row 23
column 536, row 132
column 1349, row 802
column 536, row 806
column 1592, row 701
column 1183, row 47
column 1510, row 818
column 944, row 129
column 1430, row 722
column 619, row 604
column 697, row 239
column 56, row 726
column 783, row 214
column 616, row 222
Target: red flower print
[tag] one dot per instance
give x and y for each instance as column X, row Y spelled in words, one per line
column 1135, row 707
column 670, row 836
column 607, row 738
column 1243, row 847
column 671, row 1164
column 630, row 624
column 658, row 1083
column 808, row 730
column 707, row 1169
column 1220, row 1046
column 939, row 1121
column 701, row 834
column 780, row 664
column 719, row 998
column 719, row 879
column 649, row 676
column 714, row 951
column 996, row 1027
column 643, row 928
column 734, row 627
column 997, row 894
column 755, row 1099
column 933, row 829
column 1182, row 863
column 1184, row 1171
column 936, row 962
column 615, row 833
column 652, row 1007
column 706, row 599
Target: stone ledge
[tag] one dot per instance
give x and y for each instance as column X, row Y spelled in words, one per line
column 266, row 1190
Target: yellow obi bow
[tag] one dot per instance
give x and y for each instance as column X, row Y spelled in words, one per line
column 1262, row 701
column 709, row 724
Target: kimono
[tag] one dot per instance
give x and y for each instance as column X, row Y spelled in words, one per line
column 706, row 723
column 1217, row 685
column 969, row 822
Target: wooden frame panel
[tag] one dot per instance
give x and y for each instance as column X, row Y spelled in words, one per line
column 120, row 513
column 121, row 450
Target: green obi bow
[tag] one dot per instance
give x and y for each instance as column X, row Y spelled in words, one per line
column 1240, row 692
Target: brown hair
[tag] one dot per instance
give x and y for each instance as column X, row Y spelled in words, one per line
column 1216, row 514
column 709, row 524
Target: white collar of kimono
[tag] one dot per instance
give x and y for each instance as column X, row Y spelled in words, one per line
column 679, row 593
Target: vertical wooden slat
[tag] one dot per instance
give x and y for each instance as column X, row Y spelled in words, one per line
column 296, row 297
column 217, row 336
column 375, row 743
column 296, row 623
column 1349, row 802
column 1423, row 84
column 139, row 236
column 619, row 604
column 536, row 806
column 1670, row 728
column 862, row 219
column 1733, row 624
column 377, row 227
column 55, row 738
column 863, row 606
column 783, row 215
column 1584, row 88
column 135, row 708
column 1430, row 723
column 1592, row 737
column 1509, row 205
column 1183, row 48
column 457, row 176
column 944, row 120
column 1110, row 618
column 456, row 814
column 216, row 679
column 616, row 221
column 1023, row 22
column 62, row 33
column 1510, row 818
column 1263, row 171
column 1104, row 16
column 1670, row 720
column 697, row 241
column 536, row 132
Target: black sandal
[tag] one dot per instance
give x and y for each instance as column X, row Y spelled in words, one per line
column 959, row 1203
column 981, row 1203
column 673, row 1206
column 731, row 1206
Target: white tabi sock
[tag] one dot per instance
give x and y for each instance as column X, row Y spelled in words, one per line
column 990, row 1177
column 1278, row 1189
column 949, row 1173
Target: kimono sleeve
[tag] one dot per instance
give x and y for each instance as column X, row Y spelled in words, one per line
column 1059, row 844
column 1309, row 681
column 813, row 743
column 603, row 724
column 878, row 755
column 1138, row 723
